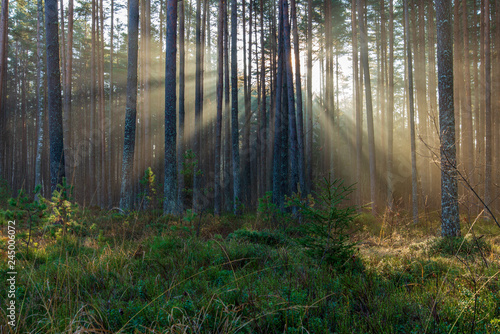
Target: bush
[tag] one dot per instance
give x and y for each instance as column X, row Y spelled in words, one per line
column 265, row 237
column 325, row 223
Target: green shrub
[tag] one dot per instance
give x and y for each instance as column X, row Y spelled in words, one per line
column 265, row 237
column 325, row 223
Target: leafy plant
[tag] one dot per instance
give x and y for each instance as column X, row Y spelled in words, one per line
column 325, row 222
column 25, row 210
column 150, row 190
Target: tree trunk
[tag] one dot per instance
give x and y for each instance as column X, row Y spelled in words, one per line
column 182, row 88
column 298, row 90
column 4, row 20
column 40, row 94
column 131, row 107
column 390, row 112
column 234, row 110
column 369, row 108
column 218, row 126
column 487, row 115
column 170, row 190
column 309, row 97
column 227, row 182
column 414, row 193
column 450, row 223
column 67, row 84
column 467, row 137
column 57, row 166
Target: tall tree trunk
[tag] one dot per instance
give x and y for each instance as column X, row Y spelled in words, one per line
column 91, row 129
column 278, row 121
column 390, row 111
column 227, row 182
column 298, row 90
column 182, row 89
column 450, row 223
column 131, row 107
column 421, row 89
column 4, row 20
column 170, row 190
column 414, row 193
column 369, row 108
column 102, row 117
column 68, row 81
column 357, row 102
column 246, row 156
column 292, row 122
column 40, row 94
column 197, row 112
column 234, row 110
column 57, row 166
column 309, row 97
column 218, row 126
column 487, row 106
column 467, row 137
column 110, row 159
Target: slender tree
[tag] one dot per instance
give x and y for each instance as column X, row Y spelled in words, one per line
column 4, row 20
column 450, row 223
column 197, row 111
column 40, row 94
column 170, row 189
column 218, row 126
column 279, row 128
column 234, row 109
column 369, row 107
column 411, row 107
column 54, row 95
column 182, row 90
column 487, row 105
column 390, row 111
column 131, row 106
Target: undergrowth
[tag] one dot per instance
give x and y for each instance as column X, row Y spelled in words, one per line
column 144, row 273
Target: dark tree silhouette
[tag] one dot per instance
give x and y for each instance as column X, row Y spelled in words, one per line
column 54, row 94
column 131, row 106
column 170, row 187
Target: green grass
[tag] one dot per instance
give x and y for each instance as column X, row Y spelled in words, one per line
column 147, row 274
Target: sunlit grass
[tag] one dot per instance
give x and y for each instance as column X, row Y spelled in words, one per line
column 150, row 274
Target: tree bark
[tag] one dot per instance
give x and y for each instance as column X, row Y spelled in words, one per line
column 182, row 89
column 40, row 94
column 170, row 190
column 234, row 110
column 450, row 223
column 131, row 107
column 487, row 106
column 57, row 166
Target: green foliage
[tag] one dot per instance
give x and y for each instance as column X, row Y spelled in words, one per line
column 265, row 237
column 4, row 193
column 63, row 211
column 270, row 214
column 190, row 166
column 468, row 246
column 325, row 223
column 150, row 190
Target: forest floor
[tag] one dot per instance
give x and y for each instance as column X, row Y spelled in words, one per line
column 146, row 273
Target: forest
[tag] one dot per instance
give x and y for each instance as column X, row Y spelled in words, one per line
column 250, row 166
